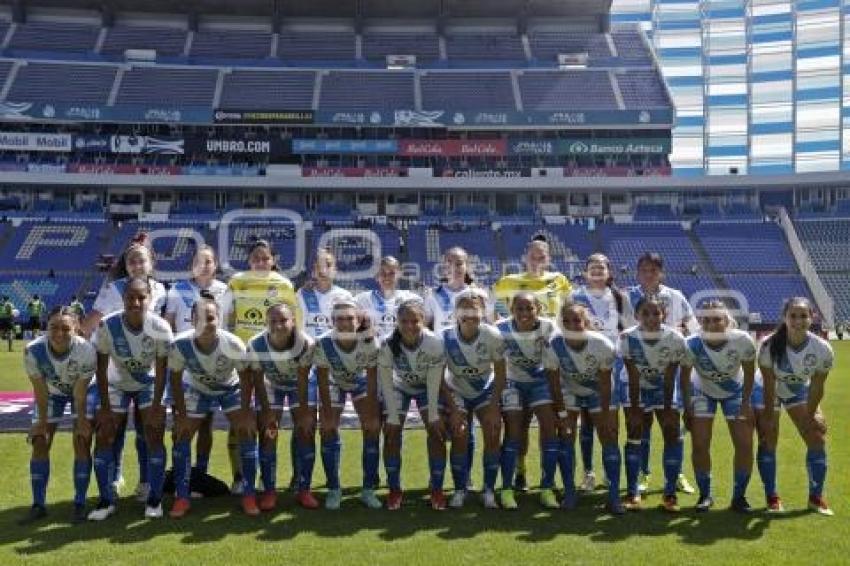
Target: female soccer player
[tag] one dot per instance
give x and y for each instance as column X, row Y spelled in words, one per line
column 250, row 293
column 136, row 261
column 316, row 300
column 281, row 358
column 132, row 358
column 476, row 378
column 794, row 364
column 526, row 338
column 178, row 312
column 579, row 362
column 719, row 368
column 410, row 367
column 679, row 316
column 346, row 361
column 61, row 367
column 651, row 353
column 209, row 369
column 610, row 312
column 549, row 288
column 381, row 304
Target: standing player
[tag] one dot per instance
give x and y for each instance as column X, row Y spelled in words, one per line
column 136, row 261
column 526, row 337
column 316, row 300
column 35, row 312
column 651, row 353
column 7, row 321
column 411, row 363
column 610, row 312
column 132, row 355
column 579, row 362
column 281, row 359
column 250, row 294
column 209, row 369
column 549, row 288
column 381, row 304
column 178, row 312
column 794, row 364
column 719, row 368
column 476, row 378
column 346, row 360
column 61, row 369
column 678, row 315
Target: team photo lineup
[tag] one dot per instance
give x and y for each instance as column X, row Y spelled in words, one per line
column 471, row 360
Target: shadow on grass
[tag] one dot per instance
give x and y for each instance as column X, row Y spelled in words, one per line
column 211, row 520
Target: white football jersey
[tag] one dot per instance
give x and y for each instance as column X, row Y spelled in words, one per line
column 412, row 371
column 280, row 367
column 524, row 351
column 381, row 309
column 110, row 298
column 132, row 355
column 676, row 307
column 316, row 308
column 795, row 370
column 602, row 307
column 212, row 373
column 184, row 294
column 470, row 364
column 345, row 367
column 61, row 373
column 579, row 369
column 717, row 370
column 652, row 357
column 440, row 306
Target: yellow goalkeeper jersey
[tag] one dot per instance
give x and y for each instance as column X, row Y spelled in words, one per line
column 550, row 288
column 252, row 294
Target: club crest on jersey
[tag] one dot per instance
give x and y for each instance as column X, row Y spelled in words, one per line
column 733, row 355
column 221, row 362
column 810, row 360
column 147, row 343
column 664, row 353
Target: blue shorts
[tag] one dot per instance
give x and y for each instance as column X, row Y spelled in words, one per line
column 471, row 405
column 519, row 395
column 704, row 405
column 404, row 398
column 200, row 404
column 653, row 399
column 119, row 400
column 56, row 405
column 799, row 397
column 338, row 395
column 592, row 403
column 279, row 399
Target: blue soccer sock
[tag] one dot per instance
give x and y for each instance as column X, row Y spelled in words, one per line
column 741, row 480
column 460, row 469
column 39, row 476
column 510, row 451
column 268, row 468
column 156, row 474
column 202, row 462
column 248, row 460
column 549, row 462
column 567, row 464
column 82, row 478
column 673, row 456
column 371, row 459
column 142, row 452
column 585, row 439
column 633, row 452
column 612, row 462
column 306, row 461
column 181, row 456
column 437, row 467
column 491, row 470
column 766, row 462
column 645, row 450
column 703, row 483
column 816, row 468
column 331, row 448
column 104, row 471
column 392, row 465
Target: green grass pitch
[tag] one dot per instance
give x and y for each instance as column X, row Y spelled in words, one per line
column 217, row 533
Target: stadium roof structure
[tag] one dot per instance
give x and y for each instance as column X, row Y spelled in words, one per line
column 403, row 9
